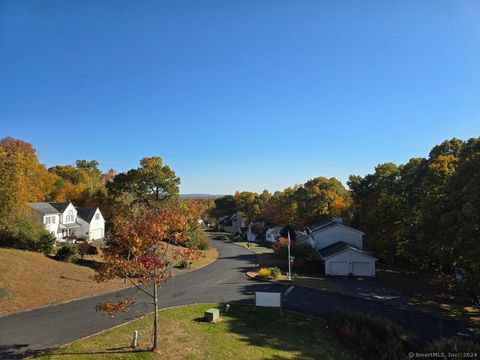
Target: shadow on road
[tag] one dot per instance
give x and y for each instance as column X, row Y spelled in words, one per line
column 323, row 304
column 17, row 351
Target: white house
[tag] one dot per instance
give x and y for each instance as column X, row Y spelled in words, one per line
column 65, row 221
column 232, row 223
column 272, row 234
column 340, row 248
column 92, row 223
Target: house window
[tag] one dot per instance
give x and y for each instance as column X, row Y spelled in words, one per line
column 70, row 217
column 53, row 220
column 47, row 220
column 97, row 216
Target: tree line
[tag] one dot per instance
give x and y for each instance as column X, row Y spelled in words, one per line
column 24, row 179
column 319, row 198
column 424, row 214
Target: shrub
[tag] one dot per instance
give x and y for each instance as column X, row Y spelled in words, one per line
column 46, row 242
column 303, row 253
column 86, row 249
column 264, row 273
column 67, row 253
column 275, row 272
column 197, row 239
column 280, row 248
column 92, row 250
column 452, row 345
column 182, row 264
column 371, row 337
column 28, row 234
column 269, row 273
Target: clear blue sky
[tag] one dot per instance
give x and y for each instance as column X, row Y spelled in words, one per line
column 239, row 94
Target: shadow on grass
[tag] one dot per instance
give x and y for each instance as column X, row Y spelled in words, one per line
column 92, row 264
column 106, row 352
column 17, row 351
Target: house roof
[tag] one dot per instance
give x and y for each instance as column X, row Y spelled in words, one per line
column 320, row 225
column 86, row 213
column 60, row 206
column 46, row 207
column 326, row 224
column 303, row 237
column 69, row 226
column 339, row 248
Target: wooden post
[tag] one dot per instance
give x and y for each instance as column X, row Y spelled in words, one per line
column 155, row 324
column 135, row 339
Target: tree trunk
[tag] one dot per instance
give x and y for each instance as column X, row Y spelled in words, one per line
column 155, row 316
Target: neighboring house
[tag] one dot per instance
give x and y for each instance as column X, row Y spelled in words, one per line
column 92, row 223
column 340, row 248
column 257, row 230
column 65, row 221
column 272, row 234
column 232, row 224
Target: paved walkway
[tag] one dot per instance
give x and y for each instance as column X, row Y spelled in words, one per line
column 30, row 332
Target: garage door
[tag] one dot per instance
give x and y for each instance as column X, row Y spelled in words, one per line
column 361, row 268
column 96, row 234
column 339, row 268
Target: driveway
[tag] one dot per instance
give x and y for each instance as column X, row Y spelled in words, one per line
column 369, row 289
column 34, row 331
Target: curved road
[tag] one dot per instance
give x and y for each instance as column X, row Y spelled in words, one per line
column 30, row 332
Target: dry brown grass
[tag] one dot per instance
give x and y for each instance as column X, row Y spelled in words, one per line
column 29, row 279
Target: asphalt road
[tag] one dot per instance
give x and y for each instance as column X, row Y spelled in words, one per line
column 27, row 333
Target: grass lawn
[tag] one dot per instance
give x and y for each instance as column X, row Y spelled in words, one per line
column 256, row 248
column 427, row 294
column 244, row 333
column 23, row 273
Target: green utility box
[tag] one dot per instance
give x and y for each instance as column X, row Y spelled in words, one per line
column 212, row 315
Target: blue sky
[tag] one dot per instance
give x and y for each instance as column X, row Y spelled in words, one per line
column 243, row 94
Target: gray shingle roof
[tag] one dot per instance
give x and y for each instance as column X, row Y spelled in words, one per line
column 335, row 248
column 321, row 225
column 86, row 213
column 340, row 247
column 60, row 206
column 49, row 207
column 44, row 208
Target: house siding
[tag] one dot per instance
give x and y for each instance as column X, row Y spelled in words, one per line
column 336, row 234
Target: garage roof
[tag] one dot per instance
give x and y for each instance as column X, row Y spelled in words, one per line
column 86, row 213
column 339, row 248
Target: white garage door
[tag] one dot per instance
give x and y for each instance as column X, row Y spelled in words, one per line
column 96, row 234
column 361, row 268
column 339, row 268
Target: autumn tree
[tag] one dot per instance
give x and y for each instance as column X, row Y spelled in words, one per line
column 465, row 200
column 148, row 186
column 138, row 251
column 321, row 198
column 22, row 179
column 82, row 184
column 378, row 209
column 224, row 206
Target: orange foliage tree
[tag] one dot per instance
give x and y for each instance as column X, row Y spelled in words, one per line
column 138, row 251
column 22, row 179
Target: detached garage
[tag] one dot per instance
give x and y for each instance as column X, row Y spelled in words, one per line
column 342, row 259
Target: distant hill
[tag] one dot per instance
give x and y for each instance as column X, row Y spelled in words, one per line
column 199, row 196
